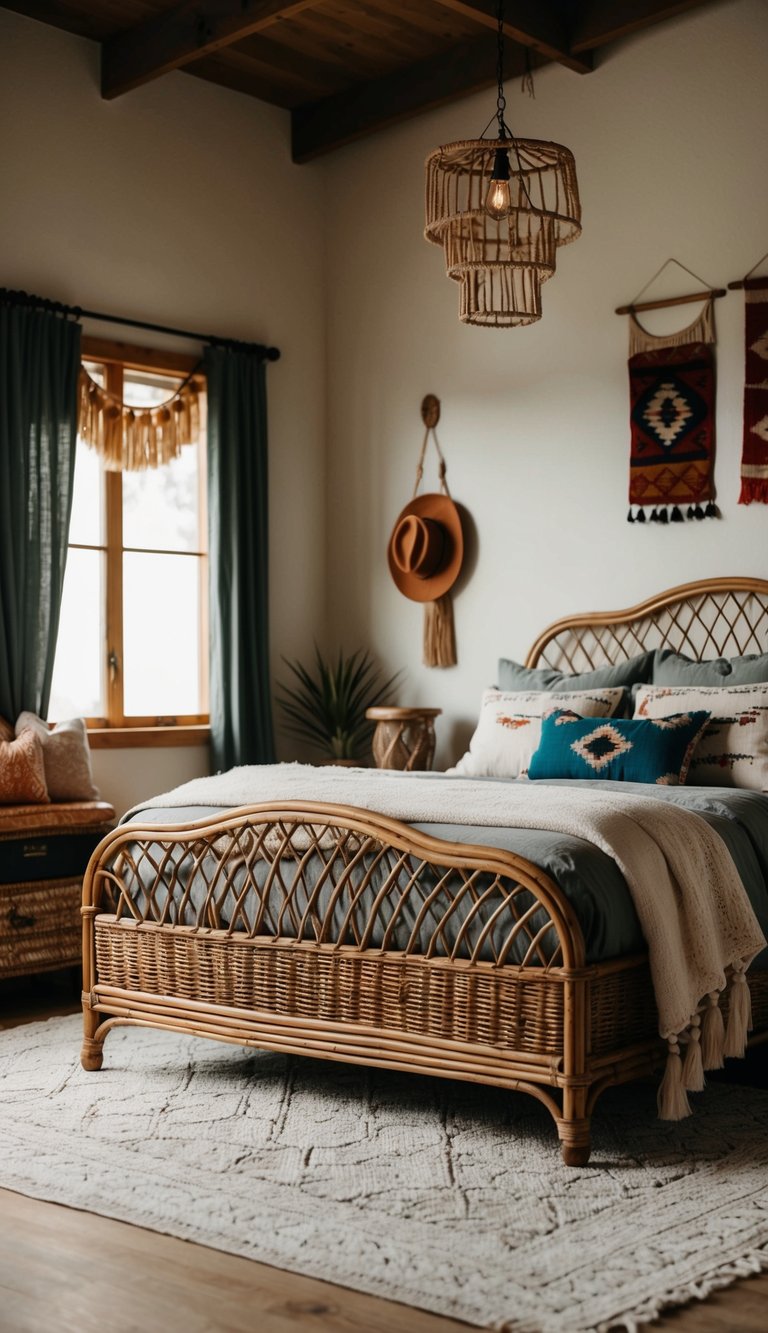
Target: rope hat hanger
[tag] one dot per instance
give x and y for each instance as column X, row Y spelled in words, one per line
column 426, row 550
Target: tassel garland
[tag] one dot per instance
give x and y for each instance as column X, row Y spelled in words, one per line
column 132, row 439
column 673, row 513
column 439, row 633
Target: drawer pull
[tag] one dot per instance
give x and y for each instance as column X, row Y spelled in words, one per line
column 19, row 921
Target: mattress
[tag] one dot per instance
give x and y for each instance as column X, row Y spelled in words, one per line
column 589, row 878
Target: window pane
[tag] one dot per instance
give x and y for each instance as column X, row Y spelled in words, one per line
column 77, row 676
column 87, row 525
column 161, row 630
column 161, row 507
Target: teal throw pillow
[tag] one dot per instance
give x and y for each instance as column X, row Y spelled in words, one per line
column 621, row 749
column 636, row 670
column 671, row 668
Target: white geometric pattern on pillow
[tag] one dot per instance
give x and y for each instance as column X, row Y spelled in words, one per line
column 733, row 751
column 66, row 755
column 509, row 727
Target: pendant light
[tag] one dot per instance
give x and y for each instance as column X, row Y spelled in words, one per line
column 500, row 208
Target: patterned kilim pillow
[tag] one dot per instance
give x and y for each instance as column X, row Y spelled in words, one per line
column 622, row 749
column 509, row 727
column 22, row 774
column 734, row 748
column 66, row 757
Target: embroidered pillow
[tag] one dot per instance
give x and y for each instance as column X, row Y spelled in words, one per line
column 509, row 727
column 22, row 773
column 66, row 756
column 733, row 752
column 513, row 676
column 620, row 749
column 674, row 669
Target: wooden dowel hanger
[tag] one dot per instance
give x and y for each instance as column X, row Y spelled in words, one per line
column 661, row 303
column 742, row 282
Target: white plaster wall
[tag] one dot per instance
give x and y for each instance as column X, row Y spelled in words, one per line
column 668, row 135
column 178, row 204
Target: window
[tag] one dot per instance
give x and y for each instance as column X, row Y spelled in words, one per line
column 132, row 646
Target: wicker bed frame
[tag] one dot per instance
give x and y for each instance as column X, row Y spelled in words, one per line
column 550, row 1026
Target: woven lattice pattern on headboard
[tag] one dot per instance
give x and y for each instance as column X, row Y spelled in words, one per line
column 713, row 618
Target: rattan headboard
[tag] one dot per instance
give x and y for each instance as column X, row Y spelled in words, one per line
column 712, row 618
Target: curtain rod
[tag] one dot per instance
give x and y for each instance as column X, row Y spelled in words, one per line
column 9, row 297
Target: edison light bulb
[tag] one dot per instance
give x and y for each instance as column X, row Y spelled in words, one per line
column 498, row 201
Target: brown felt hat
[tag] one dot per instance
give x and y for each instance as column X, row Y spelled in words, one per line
column 426, row 547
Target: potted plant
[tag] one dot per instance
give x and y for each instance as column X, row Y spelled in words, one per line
column 326, row 706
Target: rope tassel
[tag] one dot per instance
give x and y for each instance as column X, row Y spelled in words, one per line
column 439, row 633
column 739, row 1014
column 672, row 1101
column 713, row 1033
column 693, row 1068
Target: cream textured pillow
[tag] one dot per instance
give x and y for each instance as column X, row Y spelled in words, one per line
column 22, row 773
column 509, row 729
column 733, row 751
column 66, row 756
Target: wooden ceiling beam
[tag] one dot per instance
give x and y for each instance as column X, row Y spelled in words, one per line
column 176, row 37
column 531, row 24
column 319, row 127
column 601, row 21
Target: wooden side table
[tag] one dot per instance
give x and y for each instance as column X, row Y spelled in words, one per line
column 404, row 737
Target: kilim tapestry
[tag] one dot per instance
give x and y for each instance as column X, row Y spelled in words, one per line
column 754, row 457
column 672, row 422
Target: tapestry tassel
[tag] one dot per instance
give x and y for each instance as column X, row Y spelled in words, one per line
column 711, row 510
column 676, row 515
column 654, row 516
column 439, row 634
column 713, row 1033
column 739, row 1014
column 673, row 1103
column 693, row 1069
column 630, row 517
column 698, row 512
column 663, row 516
column 640, row 516
column 754, row 490
column 691, row 512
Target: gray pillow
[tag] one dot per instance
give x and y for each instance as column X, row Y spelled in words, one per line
column 636, row 670
column 671, row 668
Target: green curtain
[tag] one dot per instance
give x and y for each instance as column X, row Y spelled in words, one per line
column 39, row 365
column 240, row 694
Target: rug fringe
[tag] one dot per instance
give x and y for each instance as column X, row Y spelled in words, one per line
column 749, row 1265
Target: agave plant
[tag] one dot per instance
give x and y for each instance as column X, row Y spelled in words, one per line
column 327, row 705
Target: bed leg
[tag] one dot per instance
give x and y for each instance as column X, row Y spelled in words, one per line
column 92, row 1050
column 575, row 1146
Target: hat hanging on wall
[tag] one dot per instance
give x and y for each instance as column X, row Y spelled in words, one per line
column 426, row 550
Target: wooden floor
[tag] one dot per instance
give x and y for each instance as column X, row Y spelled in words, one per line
column 63, row 1271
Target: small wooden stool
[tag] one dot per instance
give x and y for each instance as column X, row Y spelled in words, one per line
column 404, row 737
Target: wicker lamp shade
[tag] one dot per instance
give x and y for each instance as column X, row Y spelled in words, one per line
column 501, row 264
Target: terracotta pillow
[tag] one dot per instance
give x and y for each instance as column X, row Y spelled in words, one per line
column 66, row 756
column 6, row 730
column 22, row 772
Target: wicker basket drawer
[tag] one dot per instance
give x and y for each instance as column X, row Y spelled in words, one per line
column 39, row 925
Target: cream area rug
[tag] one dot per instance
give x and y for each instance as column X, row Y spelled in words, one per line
column 438, row 1194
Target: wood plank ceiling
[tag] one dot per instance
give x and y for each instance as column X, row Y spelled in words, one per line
column 343, row 68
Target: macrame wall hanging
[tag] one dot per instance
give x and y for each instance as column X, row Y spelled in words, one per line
column 130, row 439
column 754, row 455
column 672, row 413
column 426, row 550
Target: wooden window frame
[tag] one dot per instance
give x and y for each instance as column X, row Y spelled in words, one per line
column 115, row 731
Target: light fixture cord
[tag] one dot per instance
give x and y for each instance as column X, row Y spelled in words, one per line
column 501, row 101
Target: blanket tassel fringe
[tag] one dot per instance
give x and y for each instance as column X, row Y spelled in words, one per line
column 706, row 1045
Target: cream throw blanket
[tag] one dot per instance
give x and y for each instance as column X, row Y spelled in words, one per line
column 693, row 909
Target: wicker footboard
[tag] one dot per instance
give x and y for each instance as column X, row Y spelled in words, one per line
column 275, row 928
